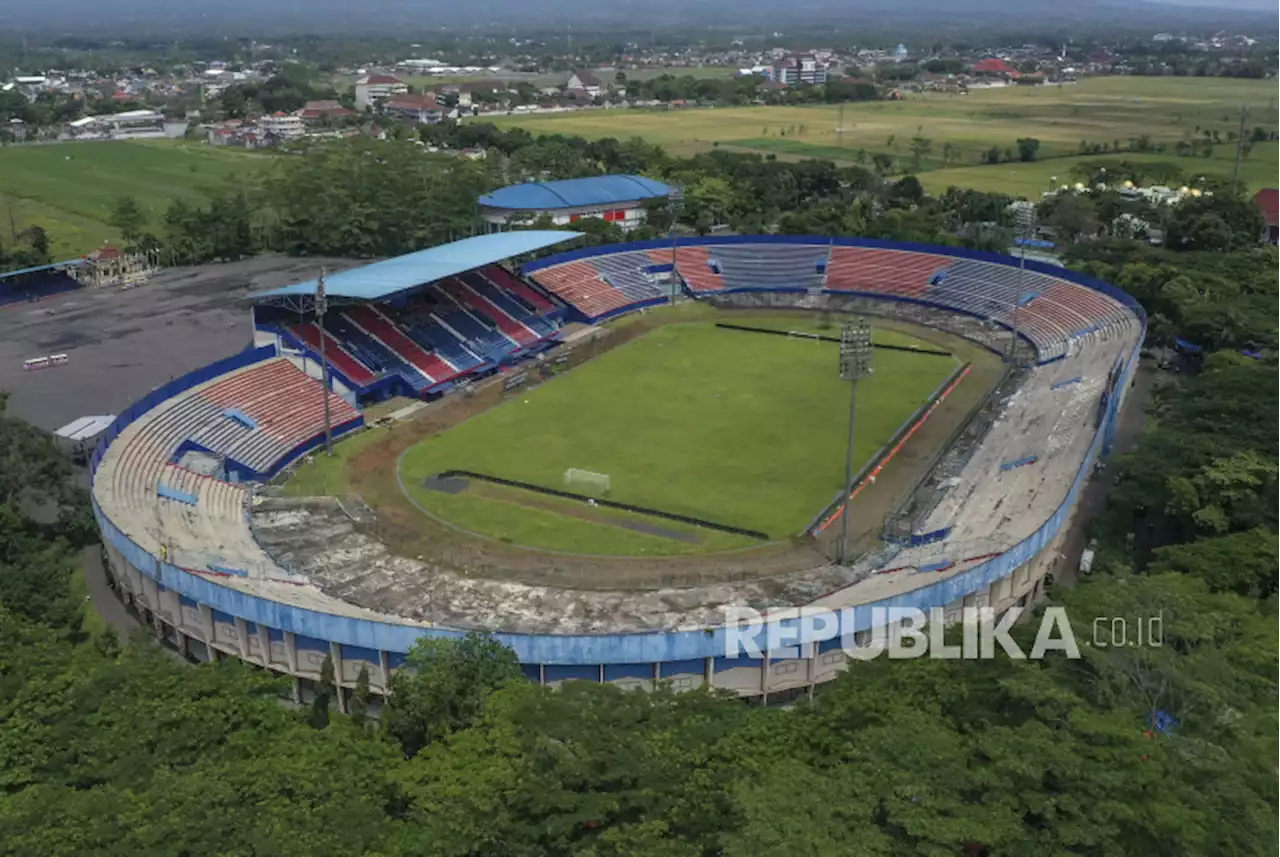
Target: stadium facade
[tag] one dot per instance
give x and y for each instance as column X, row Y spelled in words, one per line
column 618, row 199
column 177, row 475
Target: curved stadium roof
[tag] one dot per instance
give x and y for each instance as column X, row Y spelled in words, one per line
column 597, row 190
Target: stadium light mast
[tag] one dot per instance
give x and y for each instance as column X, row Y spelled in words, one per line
column 322, row 304
column 855, row 364
column 675, row 202
column 1025, row 223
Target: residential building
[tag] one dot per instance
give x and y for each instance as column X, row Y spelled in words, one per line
column 286, row 126
column 423, row 109
column 316, row 111
column 584, row 81
column 130, row 125
column 793, row 70
column 373, row 87
column 995, row 66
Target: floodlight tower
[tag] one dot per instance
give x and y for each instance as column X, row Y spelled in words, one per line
column 855, row 364
column 675, row 203
column 322, row 304
column 1025, row 219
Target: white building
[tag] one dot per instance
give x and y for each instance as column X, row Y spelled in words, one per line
column 372, row 87
column 130, row 125
column 284, row 125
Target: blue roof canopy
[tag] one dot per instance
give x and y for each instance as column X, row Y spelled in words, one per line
column 380, row 279
column 70, row 263
column 597, row 190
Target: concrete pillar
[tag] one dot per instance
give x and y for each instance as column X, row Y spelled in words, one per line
column 264, row 644
column 709, row 671
column 335, row 655
column 764, row 680
column 291, row 653
column 384, row 667
column 206, row 625
column 242, row 638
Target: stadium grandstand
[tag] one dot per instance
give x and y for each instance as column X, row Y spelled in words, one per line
column 219, row 571
column 417, row 324
column 35, row 283
column 618, row 199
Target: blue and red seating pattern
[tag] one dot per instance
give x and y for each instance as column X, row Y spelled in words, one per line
column 1050, row 310
column 446, row 331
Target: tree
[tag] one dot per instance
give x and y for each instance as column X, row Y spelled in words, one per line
column 883, row 163
column 1027, row 148
column 1217, row 223
column 444, row 686
column 1071, row 216
column 128, row 217
column 992, row 155
column 920, row 146
column 359, row 706
column 325, row 691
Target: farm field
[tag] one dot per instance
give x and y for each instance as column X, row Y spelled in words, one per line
column 70, row 188
column 746, row 430
column 1105, row 109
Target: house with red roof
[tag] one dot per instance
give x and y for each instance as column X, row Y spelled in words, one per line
column 317, row 111
column 422, row 109
column 995, row 66
column 1268, row 202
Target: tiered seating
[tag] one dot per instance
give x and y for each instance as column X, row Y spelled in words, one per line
column 626, row 272
column 1089, row 307
column 338, row 357
column 288, row 409
column 504, row 279
column 694, row 265
column 890, row 272
column 30, row 287
column 509, row 304
column 579, row 283
column 770, row 266
column 489, row 312
column 484, row 340
column 381, row 328
column 424, row 327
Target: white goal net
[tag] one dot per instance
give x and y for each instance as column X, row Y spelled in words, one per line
column 586, row 482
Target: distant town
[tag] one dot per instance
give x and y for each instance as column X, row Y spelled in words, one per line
column 263, row 103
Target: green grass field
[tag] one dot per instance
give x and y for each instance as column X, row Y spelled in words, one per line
column 742, row 429
column 70, row 188
column 1103, row 109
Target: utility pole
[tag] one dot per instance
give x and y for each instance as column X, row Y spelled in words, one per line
column 322, row 304
column 855, row 364
column 1235, row 174
column 840, row 128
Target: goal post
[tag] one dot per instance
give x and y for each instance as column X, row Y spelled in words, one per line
column 586, row 482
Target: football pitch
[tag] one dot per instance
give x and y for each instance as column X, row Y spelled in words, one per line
column 745, row 430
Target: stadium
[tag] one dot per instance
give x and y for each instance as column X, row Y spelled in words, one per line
column 618, row 199
column 694, row 382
